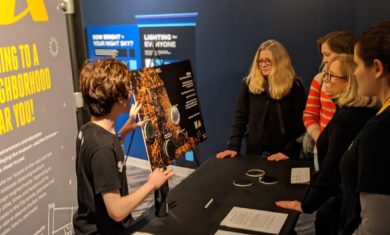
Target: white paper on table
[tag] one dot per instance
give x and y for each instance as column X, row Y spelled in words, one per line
column 224, row 232
column 141, row 233
column 255, row 220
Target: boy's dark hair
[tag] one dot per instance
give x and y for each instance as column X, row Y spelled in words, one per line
column 102, row 83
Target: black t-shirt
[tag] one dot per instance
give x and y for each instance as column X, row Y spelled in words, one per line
column 365, row 167
column 99, row 169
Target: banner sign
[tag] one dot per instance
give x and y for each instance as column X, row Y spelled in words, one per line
column 37, row 120
column 167, row 38
column 118, row 41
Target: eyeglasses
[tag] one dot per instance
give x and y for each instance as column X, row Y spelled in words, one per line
column 328, row 77
column 265, row 62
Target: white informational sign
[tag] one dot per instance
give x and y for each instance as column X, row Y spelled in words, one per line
column 37, row 120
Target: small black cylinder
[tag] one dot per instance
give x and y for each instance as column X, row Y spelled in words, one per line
column 161, row 200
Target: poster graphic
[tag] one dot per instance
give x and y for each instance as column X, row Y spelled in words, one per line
column 169, row 37
column 171, row 111
column 170, row 44
column 37, row 119
column 119, row 41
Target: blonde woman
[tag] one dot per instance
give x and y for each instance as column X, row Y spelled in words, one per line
column 353, row 111
column 270, row 107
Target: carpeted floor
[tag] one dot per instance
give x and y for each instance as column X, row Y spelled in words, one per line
column 137, row 174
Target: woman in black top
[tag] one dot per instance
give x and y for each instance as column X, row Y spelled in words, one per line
column 353, row 110
column 364, row 168
column 270, row 107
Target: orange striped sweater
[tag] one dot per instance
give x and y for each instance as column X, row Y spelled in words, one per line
column 319, row 108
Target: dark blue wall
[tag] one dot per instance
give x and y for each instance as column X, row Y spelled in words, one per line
column 371, row 12
column 228, row 33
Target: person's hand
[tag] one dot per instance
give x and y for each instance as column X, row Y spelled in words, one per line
column 133, row 115
column 277, row 157
column 130, row 124
column 226, row 153
column 159, row 176
column 314, row 134
column 292, row 205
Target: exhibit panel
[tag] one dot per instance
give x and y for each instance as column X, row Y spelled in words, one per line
column 171, row 111
column 37, row 120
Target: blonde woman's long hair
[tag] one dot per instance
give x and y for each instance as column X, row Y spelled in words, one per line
column 282, row 75
column 351, row 96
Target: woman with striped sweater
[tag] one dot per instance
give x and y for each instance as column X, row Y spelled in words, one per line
column 320, row 108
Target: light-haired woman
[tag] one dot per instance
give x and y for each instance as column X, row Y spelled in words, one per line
column 269, row 108
column 353, row 111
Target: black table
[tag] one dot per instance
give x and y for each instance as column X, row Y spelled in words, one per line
column 213, row 179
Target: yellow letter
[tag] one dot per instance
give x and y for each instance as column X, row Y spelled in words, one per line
column 36, row 8
column 5, row 121
column 35, row 55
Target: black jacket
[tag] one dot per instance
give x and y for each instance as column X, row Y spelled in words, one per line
column 269, row 125
column 331, row 144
